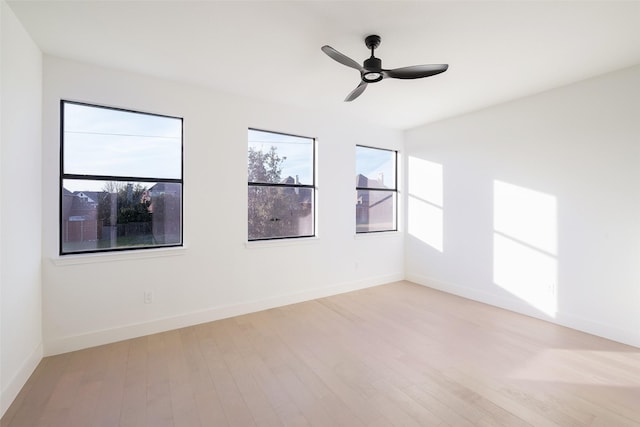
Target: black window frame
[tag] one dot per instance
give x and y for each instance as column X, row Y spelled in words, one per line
column 117, row 178
column 311, row 186
column 394, row 190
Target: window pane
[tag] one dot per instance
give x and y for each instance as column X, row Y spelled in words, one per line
column 107, row 142
column 375, row 168
column 276, row 158
column 98, row 215
column 375, row 211
column 276, row 212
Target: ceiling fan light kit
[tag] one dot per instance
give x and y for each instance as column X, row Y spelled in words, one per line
column 371, row 70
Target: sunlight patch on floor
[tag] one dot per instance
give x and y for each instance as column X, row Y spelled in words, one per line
column 568, row 366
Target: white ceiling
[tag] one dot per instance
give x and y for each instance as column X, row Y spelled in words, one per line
column 496, row 51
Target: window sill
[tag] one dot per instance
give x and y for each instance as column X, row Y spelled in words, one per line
column 261, row 244
column 377, row 235
column 117, row 256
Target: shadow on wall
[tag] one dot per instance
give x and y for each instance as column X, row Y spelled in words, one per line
column 524, row 234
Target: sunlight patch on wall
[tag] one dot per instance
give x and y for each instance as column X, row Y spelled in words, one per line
column 525, row 245
column 425, row 207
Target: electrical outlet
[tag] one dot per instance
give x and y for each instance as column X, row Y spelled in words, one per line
column 148, row 297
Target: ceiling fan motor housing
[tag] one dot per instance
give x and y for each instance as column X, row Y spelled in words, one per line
column 372, row 64
column 372, row 70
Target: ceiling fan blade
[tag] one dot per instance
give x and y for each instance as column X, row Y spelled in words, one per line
column 416, row 71
column 356, row 92
column 341, row 58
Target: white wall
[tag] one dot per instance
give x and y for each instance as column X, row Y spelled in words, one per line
column 20, row 207
column 91, row 300
column 538, row 205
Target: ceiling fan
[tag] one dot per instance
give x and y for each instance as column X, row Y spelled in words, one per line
column 371, row 70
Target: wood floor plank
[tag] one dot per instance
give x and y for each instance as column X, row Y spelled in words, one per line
column 233, row 404
column 209, row 407
column 397, row 354
column 111, row 363
column 159, row 404
column 134, row 394
column 235, row 358
column 348, row 402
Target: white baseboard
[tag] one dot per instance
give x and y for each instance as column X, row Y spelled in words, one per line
column 20, row 378
column 106, row 336
column 629, row 337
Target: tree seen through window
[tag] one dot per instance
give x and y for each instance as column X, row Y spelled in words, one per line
column 280, row 192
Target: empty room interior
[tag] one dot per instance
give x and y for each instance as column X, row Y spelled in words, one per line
column 207, row 220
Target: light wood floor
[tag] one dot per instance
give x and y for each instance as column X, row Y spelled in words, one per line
column 398, row 354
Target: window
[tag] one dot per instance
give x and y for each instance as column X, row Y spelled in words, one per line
column 376, row 190
column 281, row 180
column 120, row 179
